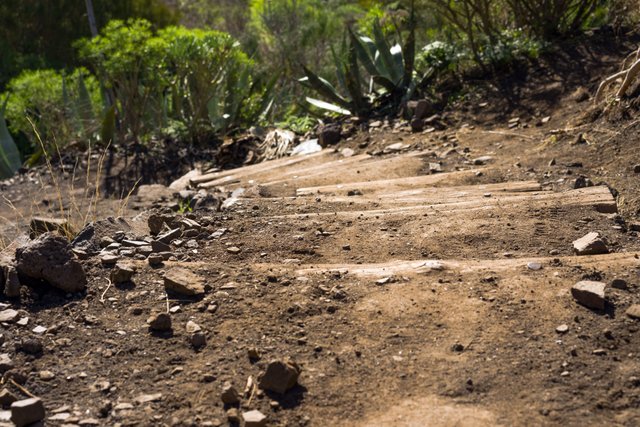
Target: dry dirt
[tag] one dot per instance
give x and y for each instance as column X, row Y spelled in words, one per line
column 460, row 331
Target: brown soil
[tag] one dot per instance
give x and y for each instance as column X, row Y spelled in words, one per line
column 461, row 333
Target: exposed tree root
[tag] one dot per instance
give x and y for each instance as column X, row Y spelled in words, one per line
column 628, row 72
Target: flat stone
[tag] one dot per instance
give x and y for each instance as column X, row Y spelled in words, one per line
column 158, row 246
column 193, row 327
column 169, row 236
column 184, row 282
column 46, row 375
column 109, row 259
column 590, row 244
column 634, row 311
column 27, row 411
column 233, row 250
column 535, row 266
column 254, row 418
column 590, row 294
column 146, row 398
column 482, row 160
column 619, row 284
column 280, row 376
column 9, row 315
column 564, row 328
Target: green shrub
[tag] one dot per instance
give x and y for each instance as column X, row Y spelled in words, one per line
column 130, row 65
column 58, row 108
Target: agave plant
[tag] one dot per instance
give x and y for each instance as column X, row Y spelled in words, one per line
column 392, row 78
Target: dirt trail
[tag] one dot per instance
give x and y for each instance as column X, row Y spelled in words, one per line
column 424, row 280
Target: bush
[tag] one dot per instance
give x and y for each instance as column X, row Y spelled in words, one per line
column 61, row 108
column 200, row 78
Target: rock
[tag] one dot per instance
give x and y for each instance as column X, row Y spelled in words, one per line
column 435, row 167
column 109, row 259
column 229, row 395
column 46, row 375
column 582, row 182
column 193, row 327
column 535, row 266
column 636, row 169
column 9, row 315
column 233, row 250
column 50, row 258
column 590, row 244
column 329, row 134
column 254, row 418
column 31, row 346
column 233, row 416
column 280, row 376
column 158, row 221
column 169, row 236
column 12, row 282
column 482, row 160
column 253, row 354
column 155, row 259
column 590, row 294
column 28, row 411
column 146, row 398
column 619, row 284
column 160, row 322
column 634, row 311
column 564, row 328
column 6, row 364
column 7, row 398
column 417, row 125
column 198, row 340
column 158, row 246
column 122, row 272
column 394, row 148
column 39, row 330
column 97, row 235
column 41, row 225
column 184, row 282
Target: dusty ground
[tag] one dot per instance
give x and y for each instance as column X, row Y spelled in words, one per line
column 459, row 332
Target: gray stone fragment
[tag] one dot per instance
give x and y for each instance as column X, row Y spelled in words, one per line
column 280, row 376
column 590, row 244
column 27, row 411
column 590, row 294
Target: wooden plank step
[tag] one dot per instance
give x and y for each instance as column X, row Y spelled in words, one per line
column 626, row 259
column 277, row 172
column 435, row 195
column 598, row 197
column 385, row 185
column 262, row 167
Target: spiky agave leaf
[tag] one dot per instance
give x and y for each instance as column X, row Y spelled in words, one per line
column 328, row 106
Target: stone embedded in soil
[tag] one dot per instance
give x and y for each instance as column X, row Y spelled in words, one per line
column 31, row 346
column 9, row 315
column 158, row 246
column 41, row 225
column 160, row 322
column 50, row 258
column 280, row 376
column 157, row 222
column 146, row 398
column 122, row 272
column 590, row 294
column 184, row 282
column 254, row 418
column 634, row 311
column 330, row 134
column 169, row 236
column 233, row 250
column 590, row 244
column 233, row 415
column 6, row 364
column 27, row 411
column 562, row 328
column 12, row 282
column 155, row 259
column 229, row 395
column 619, row 284
column 482, row 160
column 6, row 398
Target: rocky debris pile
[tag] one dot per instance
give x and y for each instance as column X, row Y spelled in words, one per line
column 48, row 259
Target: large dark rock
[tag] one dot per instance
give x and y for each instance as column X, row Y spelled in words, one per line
column 329, row 134
column 90, row 237
column 49, row 258
column 280, row 376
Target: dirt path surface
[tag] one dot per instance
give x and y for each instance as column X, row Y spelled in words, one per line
column 407, row 298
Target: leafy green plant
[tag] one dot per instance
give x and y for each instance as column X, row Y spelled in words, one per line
column 392, row 79
column 59, row 108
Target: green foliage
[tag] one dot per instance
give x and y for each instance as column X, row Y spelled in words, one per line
column 39, row 34
column 58, row 108
column 199, row 78
column 392, row 80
